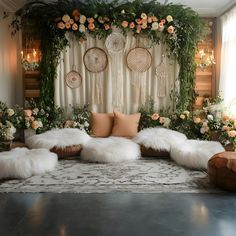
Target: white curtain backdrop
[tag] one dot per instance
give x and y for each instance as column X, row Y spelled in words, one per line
column 227, row 83
column 119, row 87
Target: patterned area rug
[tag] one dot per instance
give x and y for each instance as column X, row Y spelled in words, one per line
column 141, row 176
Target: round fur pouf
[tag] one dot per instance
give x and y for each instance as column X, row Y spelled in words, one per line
column 222, row 170
column 112, row 149
column 23, row 163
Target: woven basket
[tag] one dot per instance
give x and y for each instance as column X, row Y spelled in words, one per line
column 150, row 152
column 66, row 152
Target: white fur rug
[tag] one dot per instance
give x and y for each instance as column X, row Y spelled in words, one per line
column 112, row 149
column 159, row 138
column 23, row 163
column 194, row 153
column 58, row 137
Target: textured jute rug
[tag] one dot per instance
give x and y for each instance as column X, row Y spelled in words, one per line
column 141, row 176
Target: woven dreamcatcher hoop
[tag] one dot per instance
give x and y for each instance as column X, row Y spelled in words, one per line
column 139, row 59
column 95, row 60
column 115, row 42
column 73, row 78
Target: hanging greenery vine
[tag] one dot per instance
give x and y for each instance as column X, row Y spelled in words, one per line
column 176, row 25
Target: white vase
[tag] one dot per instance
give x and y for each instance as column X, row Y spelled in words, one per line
column 29, row 132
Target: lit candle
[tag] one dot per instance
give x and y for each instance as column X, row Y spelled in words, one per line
column 28, row 57
column 22, row 55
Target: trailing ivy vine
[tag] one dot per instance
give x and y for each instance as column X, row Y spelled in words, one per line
column 181, row 32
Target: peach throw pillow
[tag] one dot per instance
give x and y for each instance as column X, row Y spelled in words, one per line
column 101, row 124
column 125, row 125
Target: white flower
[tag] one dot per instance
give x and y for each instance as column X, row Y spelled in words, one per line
column 210, row 117
column 82, row 19
column 86, row 124
column 155, row 26
column 186, row 113
column 82, row 28
column 123, row 11
column 182, row 116
column 35, row 111
column 10, row 112
column 144, row 16
column 169, row 18
column 66, row 18
column 167, row 122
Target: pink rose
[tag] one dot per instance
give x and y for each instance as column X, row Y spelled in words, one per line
column 27, row 113
column 155, row 116
column 170, row 29
column 61, row 25
column 131, row 25
column 231, row 133
column 91, row 26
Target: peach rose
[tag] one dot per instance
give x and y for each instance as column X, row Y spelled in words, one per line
column 131, row 25
column 170, row 29
column 75, row 13
column 35, row 125
column 91, row 26
column 90, row 20
column 196, row 120
column 68, row 25
column 101, row 20
column 225, row 118
column 139, row 21
column 163, row 21
column 162, row 120
column 232, row 133
column 125, row 24
column 107, row 27
column 155, row 116
column 154, row 19
column 27, row 113
column 69, row 124
column 225, row 128
column 61, row 25
column 75, row 26
column 160, row 26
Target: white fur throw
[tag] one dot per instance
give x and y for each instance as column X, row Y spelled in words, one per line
column 195, row 154
column 23, row 163
column 58, row 137
column 159, row 138
column 112, row 149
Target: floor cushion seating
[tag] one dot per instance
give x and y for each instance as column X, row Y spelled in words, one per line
column 159, row 139
column 150, row 152
column 65, row 142
column 23, row 163
column 195, row 154
column 111, row 149
column 222, row 170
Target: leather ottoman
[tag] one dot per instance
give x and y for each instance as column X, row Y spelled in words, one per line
column 222, row 170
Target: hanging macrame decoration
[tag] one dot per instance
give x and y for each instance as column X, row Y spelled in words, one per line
column 95, row 61
column 73, row 78
column 162, row 77
column 139, row 60
column 115, row 44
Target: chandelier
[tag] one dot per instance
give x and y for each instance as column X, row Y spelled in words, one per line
column 206, row 59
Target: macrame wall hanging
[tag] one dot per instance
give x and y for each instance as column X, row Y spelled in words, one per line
column 73, row 78
column 115, row 44
column 95, row 61
column 162, row 77
column 139, row 60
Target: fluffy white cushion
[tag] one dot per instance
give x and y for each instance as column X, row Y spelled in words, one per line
column 195, row 154
column 23, row 163
column 112, row 149
column 159, row 139
column 59, row 138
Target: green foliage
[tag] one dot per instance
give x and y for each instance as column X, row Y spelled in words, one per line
column 41, row 18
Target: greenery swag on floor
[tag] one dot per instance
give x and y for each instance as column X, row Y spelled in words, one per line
column 175, row 25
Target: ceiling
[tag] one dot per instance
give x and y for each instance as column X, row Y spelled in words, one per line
column 205, row 8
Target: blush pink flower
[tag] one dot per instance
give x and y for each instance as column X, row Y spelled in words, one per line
column 28, row 113
column 91, row 26
column 232, row 133
column 131, row 25
column 155, row 116
column 125, row 24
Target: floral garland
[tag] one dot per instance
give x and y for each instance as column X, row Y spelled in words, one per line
column 175, row 25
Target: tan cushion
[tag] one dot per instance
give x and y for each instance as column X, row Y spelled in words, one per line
column 101, row 124
column 222, row 170
column 125, row 125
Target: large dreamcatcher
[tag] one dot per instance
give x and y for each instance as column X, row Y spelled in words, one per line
column 95, row 61
column 139, row 60
column 115, row 44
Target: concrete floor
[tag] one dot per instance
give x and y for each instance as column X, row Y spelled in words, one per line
column 117, row 214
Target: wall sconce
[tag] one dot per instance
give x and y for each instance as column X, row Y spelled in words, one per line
column 206, row 59
column 30, row 59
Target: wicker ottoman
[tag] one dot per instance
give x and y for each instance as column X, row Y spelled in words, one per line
column 222, row 170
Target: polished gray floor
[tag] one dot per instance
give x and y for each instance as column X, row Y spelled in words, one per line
column 117, row 214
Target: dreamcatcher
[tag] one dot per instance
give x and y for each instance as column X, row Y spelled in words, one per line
column 73, row 78
column 115, row 44
column 139, row 60
column 95, row 61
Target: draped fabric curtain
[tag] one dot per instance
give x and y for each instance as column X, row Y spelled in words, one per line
column 117, row 87
column 227, row 82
